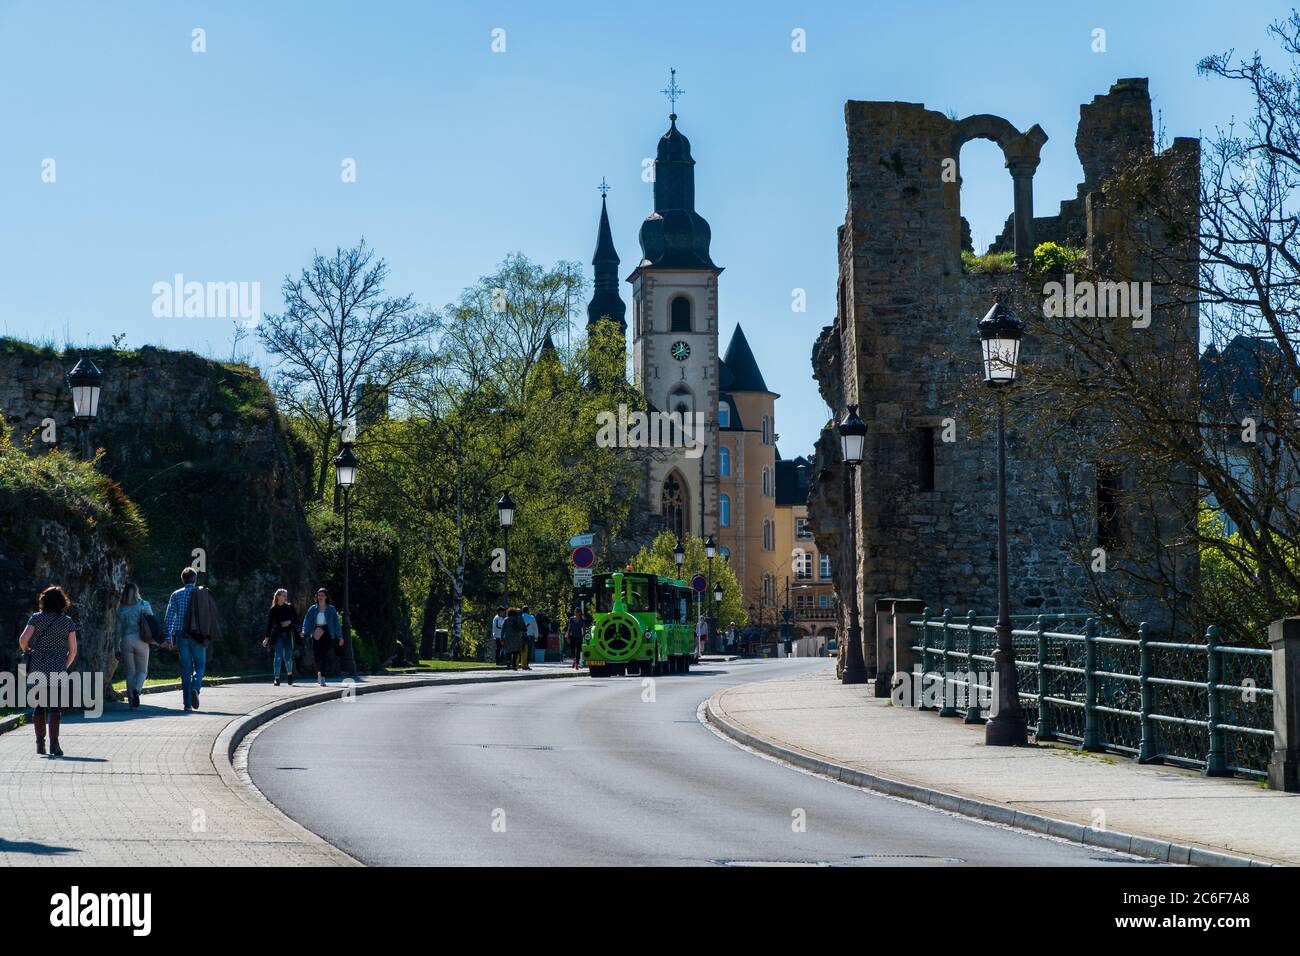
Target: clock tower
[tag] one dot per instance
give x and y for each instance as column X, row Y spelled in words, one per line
column 675, row 338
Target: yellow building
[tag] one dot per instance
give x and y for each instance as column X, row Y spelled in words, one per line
column 811, row 597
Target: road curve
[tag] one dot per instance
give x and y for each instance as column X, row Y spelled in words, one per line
column 594, row 772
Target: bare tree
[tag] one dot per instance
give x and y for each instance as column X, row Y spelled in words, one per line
column 339, row 330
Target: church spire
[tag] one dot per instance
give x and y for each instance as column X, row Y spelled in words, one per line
column 675, row 236
column 605, row 303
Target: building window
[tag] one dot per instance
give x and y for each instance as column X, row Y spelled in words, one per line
column 769, row 536
column 726, row 553
column 801, row 529
column 765, row 430
column 724, row 461
column 803, row 566
column 925, row 458
column 724, row 415
column 824, row 565
column 724, row 510
column 767, row 483
column 821, row 601
column 681, row 314
column 1109, row 530
column 673, row 506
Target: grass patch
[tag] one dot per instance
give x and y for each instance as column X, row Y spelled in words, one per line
column 439, row 665
column 989, row 264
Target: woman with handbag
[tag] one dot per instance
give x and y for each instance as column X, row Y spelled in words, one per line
column 50, row 640
column 280, row 621
column 134, row 636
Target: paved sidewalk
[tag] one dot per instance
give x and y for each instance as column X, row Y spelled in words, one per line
column 816, row 715
column 145, row 787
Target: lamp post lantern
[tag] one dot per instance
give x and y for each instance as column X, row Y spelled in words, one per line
column 506, row 513
column 679, row 554
column 85, row 381
column 1000, row 332
column 346, row 464
column 853, row 440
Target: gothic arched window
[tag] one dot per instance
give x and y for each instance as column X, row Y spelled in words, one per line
column 673, row 506
column 680, row 311
column 767, row 483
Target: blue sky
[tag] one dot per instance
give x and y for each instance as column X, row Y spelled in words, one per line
column 225, row 165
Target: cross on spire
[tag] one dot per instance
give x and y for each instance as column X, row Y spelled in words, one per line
column 604, row 187
column 672, row 91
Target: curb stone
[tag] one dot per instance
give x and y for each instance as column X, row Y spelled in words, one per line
column 1150, row 847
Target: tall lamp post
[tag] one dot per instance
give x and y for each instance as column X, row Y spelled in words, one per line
column 1000, row 332
column 506, row 512
column 85, row 380
column 345, row 473
column 853, row 439
column 717, row 604
column 710, row 550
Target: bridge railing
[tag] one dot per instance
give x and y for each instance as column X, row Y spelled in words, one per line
column 1202, row 705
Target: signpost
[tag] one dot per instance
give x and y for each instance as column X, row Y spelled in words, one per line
column 583, row 557
column 579, row 540
column 582, row 577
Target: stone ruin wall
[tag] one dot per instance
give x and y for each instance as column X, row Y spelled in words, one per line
column 905, row 333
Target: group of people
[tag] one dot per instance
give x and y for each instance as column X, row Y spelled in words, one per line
column 516, row 632
column 190, row 623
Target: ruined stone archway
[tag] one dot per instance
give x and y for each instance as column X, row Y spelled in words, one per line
column 1020, row 150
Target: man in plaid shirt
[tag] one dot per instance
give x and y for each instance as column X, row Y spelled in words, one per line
column 194, row 656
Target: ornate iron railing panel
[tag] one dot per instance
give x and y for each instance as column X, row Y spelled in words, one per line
column 1201, row 705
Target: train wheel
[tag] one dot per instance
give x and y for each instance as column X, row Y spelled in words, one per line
column 686, row 664
column 671, row 663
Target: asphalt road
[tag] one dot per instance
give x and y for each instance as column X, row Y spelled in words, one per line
column 586, row 772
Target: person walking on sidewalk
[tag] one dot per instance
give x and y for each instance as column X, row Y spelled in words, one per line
column 574, row 634
column 193, row 653
column 280, row 621
column 514, row 636
column 132, row 648
column 702, row 634
column 321, row 624
column 498, row 622
column 531, row 635
column 50, row 638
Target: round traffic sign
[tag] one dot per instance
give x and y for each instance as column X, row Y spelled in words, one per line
column 699, row 582
column 583, row 557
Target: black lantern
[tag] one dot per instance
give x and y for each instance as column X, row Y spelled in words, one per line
column 85, row 380
column 853, row 437
column 1001, row 331
column 710, row 549
column 346, row 464
column 679, row 555
column 717, row 593
column 506, row 510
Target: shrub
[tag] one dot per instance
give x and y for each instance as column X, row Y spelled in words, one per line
column 992, row 263
column 1054, row 257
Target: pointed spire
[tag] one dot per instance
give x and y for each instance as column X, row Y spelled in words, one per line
column 606, row 303
column 742, row 366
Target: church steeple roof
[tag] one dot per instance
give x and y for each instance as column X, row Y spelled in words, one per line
column 741, row 367
column 605, row 302
column 675, row 236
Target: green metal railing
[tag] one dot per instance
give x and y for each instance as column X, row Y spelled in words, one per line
column 1201, row 705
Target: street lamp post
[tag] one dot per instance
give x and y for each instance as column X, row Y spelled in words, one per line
column 1000, row 331
column 679, row 555
column 85, row 380
column 853, row 439
column 710, row 549
column 506, row 512
column 345, row 472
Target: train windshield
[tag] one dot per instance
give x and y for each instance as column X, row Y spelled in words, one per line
column 638, row 593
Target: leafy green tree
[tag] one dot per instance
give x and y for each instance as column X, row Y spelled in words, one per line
column 657, row 558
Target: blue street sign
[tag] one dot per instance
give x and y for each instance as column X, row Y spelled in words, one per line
column 583, row 557
column 699, row 582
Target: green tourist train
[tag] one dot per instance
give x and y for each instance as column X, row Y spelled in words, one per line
column 641, row 623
